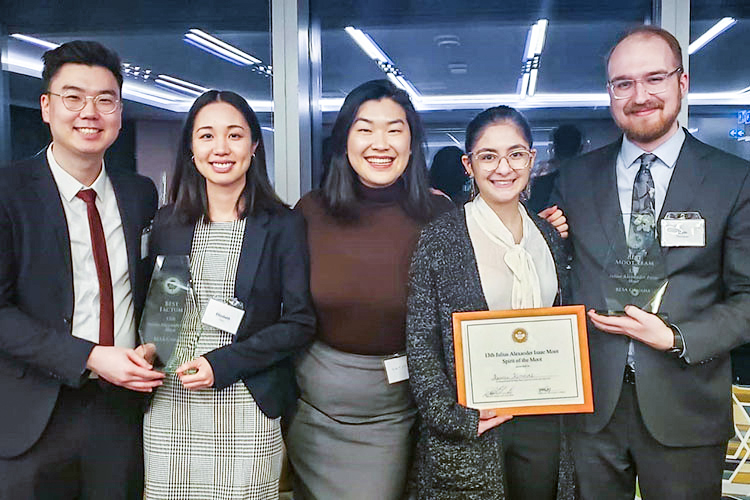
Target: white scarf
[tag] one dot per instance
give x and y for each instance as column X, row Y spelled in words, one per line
column 526, row 291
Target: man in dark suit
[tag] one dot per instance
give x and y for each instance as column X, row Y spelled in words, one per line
column 72, row 280
column 661, row 388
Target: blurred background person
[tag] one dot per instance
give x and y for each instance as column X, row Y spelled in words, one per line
column 447, row 174
column 212, row 430
column 567, row 142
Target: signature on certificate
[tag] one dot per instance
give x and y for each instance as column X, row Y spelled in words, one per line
column 502, row 390
column 514, row 377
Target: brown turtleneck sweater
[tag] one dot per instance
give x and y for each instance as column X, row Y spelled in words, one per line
column 359, row 271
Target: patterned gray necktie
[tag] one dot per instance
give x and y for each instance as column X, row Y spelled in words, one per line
column 642, row 232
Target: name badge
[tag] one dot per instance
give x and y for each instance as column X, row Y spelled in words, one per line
column 145, row 236
column 222, row 316
column 396, row 369
column 683, row 229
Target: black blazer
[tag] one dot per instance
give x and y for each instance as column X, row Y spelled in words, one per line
column 708, row 297
column 37, row 351
column 273, row 276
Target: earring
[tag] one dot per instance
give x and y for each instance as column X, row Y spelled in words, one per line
column 473, row 191
column 526, row 193
column 192, row 158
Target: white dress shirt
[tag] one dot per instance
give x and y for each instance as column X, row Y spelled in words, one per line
column 513, row 275
column 85, row 280
column 627, row 168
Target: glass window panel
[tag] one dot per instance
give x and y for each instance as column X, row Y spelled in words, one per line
column 464, row 58
column 720, row 76
column 149, row 37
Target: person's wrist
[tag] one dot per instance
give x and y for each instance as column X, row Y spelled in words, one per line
column 678, row 343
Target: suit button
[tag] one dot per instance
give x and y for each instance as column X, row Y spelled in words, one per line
column 66, row 321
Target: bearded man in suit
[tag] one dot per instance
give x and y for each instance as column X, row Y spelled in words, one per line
column 661, row 386
column 72, row 282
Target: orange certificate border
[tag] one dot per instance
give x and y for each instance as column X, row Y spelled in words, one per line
column 580, row 311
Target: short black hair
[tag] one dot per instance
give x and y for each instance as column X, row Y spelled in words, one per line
column 567, row 141
column 447, row 172
column 188, row 189
column 339, row 187
column 80, row 52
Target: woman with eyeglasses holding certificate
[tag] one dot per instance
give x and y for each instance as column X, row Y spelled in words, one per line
column 492, row 254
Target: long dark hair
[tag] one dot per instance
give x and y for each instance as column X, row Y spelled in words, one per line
column 188, row 189
column 339, row 188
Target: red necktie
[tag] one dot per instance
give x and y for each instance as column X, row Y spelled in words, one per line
column 101, row 260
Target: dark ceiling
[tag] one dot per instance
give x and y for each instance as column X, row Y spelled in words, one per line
column 488, row 41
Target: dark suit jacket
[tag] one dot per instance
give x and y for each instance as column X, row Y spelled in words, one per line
column 273, row 276
column 683, row 402
column 37, row 351
column 452, row 462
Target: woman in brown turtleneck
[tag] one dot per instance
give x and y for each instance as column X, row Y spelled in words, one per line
column 352, row 435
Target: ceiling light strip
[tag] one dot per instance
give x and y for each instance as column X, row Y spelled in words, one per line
column 532, row 57
column 215, row 50
column 715, row 30
column 35, row 41
column 183, row 83
column 178, row 88
column 374, row 52
column 212, row 40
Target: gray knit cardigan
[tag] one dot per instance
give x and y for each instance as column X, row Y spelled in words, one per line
column 452, row 462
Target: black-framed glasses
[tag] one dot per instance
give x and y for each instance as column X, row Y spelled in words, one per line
column 76, row 101
column 488, row 161
column 654, row 84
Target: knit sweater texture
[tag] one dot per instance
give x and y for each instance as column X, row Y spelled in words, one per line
column 452, row 461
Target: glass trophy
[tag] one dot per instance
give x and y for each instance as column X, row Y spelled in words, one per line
column 635, row 274
column 168, row 293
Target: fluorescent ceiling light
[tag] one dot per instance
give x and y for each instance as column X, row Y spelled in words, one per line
column 180, row 85
column 374, row 52
column 532, row 55
column 367, row 44
column 35, row 41
column 532, row 82
column 219, row 48
column 178, row 88
column 454, row 140
column 716, row 30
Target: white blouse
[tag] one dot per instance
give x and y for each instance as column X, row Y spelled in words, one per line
column 513, row 276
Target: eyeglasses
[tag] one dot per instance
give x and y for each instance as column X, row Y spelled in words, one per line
column 488, row 161
column 76, row 101
column 654, row 84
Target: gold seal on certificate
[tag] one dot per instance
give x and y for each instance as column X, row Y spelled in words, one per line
column 525, row 361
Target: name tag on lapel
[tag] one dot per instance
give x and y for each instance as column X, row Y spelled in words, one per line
column 222, row 316
column 683, row 229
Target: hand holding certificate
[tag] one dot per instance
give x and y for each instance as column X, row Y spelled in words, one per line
column 523, row 362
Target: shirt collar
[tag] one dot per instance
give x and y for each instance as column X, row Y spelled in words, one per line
column 667, row 152
column 69, row 185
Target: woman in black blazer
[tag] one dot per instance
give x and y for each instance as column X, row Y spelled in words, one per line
column 212, row 430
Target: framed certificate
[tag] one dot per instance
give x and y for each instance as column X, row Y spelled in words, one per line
column 524, row 361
